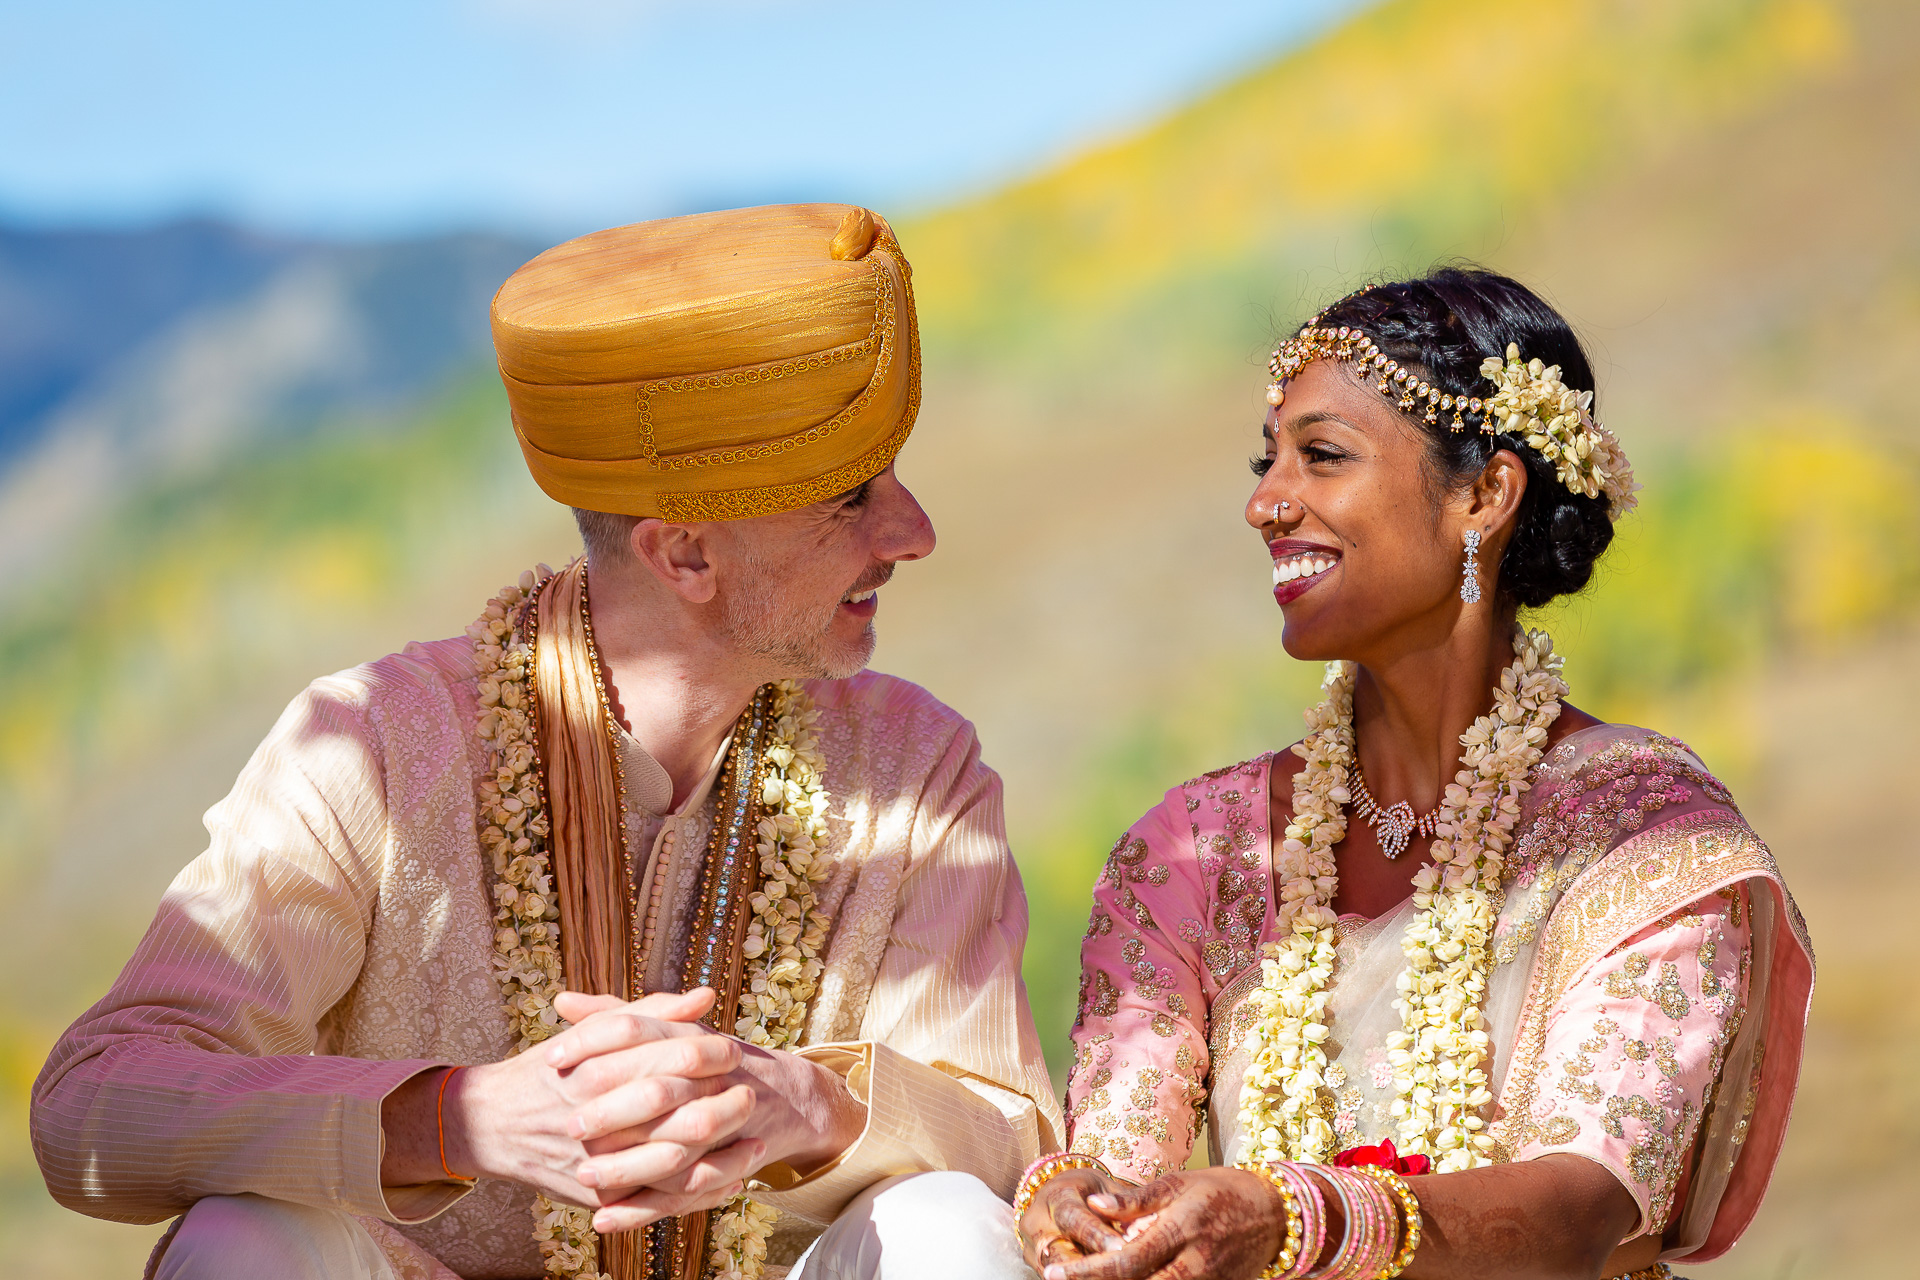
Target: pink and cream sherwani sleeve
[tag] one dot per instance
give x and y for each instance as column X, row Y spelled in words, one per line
column 1140, row 1044
column 1634, row 1048
column 197, row 1074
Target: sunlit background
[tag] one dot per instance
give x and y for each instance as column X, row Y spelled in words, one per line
column 249, row 432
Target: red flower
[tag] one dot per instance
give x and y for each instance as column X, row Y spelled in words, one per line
column 1384, row 1157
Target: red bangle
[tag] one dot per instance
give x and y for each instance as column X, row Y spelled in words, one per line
column 440, row 1123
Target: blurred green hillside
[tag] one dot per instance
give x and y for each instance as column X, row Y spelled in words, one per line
column 1717, row 192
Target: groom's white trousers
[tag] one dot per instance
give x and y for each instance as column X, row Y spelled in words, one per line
column 919, row 1226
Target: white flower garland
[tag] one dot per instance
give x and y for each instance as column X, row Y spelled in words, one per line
column 1279, row 1100
column 784, row 936
column 1439, row 1057
column 513, row 835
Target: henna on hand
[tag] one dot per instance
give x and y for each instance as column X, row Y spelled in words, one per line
column 1058, row 1227
column 1221, row 1224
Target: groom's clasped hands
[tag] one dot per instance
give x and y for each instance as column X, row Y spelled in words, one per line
column 643, row 1112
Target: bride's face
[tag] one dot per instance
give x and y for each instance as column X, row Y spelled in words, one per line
column 1366, row 562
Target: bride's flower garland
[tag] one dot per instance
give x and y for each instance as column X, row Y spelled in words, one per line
column 1439, row 1057
column 784, row 937
column 1279, row 1102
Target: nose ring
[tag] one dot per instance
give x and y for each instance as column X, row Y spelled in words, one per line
column 1278, row 507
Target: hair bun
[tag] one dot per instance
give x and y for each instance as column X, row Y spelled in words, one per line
column 1567, row 524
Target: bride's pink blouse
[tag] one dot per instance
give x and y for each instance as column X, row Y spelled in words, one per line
column 1631, row 1054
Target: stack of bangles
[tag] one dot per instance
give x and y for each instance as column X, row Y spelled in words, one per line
column 1382, row 1222
column 1381, row 1214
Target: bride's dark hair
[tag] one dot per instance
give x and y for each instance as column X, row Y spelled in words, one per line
column 1441, row 327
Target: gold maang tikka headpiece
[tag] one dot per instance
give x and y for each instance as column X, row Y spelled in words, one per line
column 1529, row 401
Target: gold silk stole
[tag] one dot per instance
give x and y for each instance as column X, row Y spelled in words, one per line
column 604, row 939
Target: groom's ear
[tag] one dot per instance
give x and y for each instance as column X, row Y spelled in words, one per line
column 678, row 555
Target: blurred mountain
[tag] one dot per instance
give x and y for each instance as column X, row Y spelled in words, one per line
column 136, row 356
column 73, row 303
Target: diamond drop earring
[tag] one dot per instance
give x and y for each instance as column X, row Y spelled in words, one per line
column 1470, row 572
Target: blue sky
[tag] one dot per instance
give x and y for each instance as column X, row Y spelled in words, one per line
column 376, row 117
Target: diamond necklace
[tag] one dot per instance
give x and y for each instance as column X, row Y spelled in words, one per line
column 1392, row 825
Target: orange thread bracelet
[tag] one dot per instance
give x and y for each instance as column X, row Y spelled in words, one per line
column 440, row 1123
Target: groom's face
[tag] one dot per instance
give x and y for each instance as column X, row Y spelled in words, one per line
column 799, row 590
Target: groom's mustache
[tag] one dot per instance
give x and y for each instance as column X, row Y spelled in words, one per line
column 873, row 579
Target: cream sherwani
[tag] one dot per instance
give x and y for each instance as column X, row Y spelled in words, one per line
column 337, row 938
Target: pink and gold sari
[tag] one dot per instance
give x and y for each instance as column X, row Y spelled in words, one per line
column 1647, row 1003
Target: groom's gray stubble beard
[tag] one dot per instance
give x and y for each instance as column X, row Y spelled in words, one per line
column 756, row 619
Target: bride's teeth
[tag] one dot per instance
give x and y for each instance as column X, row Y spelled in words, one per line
column 1277, row 579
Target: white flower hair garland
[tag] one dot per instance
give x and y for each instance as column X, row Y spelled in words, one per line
column 1531, row 402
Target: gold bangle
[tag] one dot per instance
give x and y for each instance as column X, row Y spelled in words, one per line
column 1040, row 1171
column 1409, row 1210
column 1290, row 1237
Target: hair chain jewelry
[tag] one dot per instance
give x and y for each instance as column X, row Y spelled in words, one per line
column 1529, row 401
column 1470, row 572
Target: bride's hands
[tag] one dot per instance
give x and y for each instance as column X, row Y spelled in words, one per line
column 1221, row 1224
column 1058, row 1226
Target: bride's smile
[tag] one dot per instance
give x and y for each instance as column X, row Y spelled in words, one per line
column 1299, row 566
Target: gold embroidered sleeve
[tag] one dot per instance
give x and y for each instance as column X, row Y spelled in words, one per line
column 1135, row 1091
column 1634, row 1050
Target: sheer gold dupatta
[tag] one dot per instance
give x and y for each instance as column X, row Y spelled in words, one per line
column 602, row 950
column 586, row 806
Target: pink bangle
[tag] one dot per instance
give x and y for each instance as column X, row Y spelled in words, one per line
column 1368, row 1241
column 1343, row 1252
column 1313, row 1219
column 1387, row 1237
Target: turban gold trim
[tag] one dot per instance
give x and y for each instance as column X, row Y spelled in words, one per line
column 828, row 410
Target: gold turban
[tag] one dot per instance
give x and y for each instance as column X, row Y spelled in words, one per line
column 712, row 367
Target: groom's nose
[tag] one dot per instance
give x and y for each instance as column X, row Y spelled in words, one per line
column 905, row 532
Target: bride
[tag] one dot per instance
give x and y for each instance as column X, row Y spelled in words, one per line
column 1468, row 982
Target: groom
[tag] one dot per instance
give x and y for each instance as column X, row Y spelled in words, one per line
column 642, row 894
